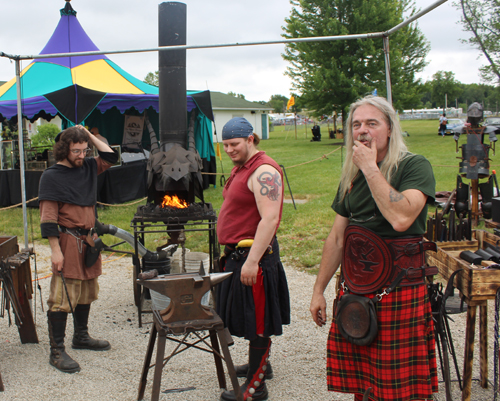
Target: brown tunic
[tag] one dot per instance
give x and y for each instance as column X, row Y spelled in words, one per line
column 73, row 216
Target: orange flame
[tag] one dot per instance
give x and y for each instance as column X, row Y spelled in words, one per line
column 174, row 201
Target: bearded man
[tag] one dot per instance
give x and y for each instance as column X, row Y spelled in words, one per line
column 68, row 195
column 254, row 302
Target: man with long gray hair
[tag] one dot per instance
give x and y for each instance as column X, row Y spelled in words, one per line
column 382, row 333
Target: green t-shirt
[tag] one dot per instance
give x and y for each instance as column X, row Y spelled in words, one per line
column 414, row 172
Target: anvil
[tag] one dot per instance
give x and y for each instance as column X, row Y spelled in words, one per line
column 185, row 291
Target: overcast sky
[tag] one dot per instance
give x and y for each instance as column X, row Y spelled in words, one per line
column 256, row 71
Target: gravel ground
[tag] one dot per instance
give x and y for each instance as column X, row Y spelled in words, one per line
column 298, row 355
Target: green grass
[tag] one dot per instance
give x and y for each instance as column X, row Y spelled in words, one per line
column 302, row 232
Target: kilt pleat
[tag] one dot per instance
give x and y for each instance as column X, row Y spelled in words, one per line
column 235, row 304
column 400, row 364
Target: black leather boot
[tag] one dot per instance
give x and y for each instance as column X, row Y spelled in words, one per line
column 254, row 388
column 81, row 338
column 242, row 371
column 58, row 356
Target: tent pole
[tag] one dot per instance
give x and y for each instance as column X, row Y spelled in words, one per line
column 387, row 69
column 20, row 135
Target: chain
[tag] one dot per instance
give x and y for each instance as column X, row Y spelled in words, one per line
column 79, row 241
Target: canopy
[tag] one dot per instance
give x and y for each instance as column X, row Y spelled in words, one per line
column 73, row 87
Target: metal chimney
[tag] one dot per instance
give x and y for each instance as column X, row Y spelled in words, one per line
column 172, row 22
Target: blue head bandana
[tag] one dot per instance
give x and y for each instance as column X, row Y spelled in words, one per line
column 237, row 127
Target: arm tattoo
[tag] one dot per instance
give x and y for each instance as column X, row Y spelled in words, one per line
column 395, row 196
column 270, row 185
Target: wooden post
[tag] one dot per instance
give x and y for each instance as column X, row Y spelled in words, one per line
column 483, row 344
column 469, row 351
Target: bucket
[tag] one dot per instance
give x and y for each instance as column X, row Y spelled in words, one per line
column 193, row 263
column 162, row 266
column 177, row 260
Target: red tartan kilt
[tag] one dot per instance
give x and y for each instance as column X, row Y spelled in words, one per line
column 400, row 364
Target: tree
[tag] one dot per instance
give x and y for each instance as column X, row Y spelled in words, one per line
column 482, row 18
column 444, row 85
column 329, row 76
column 238, row 95
column 152, row 78
column 45, row 136
column 278, row 103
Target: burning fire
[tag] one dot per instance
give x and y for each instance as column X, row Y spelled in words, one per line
column 174, row 201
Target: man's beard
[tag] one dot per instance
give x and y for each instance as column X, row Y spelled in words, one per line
column 76, row 163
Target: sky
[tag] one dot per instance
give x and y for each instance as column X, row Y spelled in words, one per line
column 257, row 72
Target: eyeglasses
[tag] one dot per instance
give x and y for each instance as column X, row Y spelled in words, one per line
column 76, row 152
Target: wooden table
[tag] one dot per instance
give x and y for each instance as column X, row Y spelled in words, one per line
column 476, row 285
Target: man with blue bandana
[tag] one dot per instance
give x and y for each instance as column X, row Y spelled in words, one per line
column 254, row 302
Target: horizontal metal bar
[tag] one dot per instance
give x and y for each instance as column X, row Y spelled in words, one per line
column 235, row 44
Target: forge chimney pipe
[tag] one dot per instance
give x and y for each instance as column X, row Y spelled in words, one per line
column 172, row 22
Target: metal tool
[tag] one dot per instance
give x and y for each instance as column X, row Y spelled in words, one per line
column 67, row 293
column 185, row 291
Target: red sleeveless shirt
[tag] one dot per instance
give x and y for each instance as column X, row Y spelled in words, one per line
column 239, row 216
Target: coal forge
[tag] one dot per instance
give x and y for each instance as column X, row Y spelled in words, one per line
column 174, row 165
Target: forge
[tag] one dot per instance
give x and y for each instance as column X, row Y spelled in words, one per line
column 175, row 204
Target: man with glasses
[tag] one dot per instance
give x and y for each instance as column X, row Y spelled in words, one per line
column 382, row 332
column 67, row 196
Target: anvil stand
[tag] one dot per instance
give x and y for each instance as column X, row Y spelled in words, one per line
column 144, row 226
column 186, row 291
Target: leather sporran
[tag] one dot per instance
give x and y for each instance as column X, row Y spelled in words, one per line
column 356, row 319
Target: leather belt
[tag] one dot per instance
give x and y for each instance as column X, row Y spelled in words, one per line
column 409, row 254
column 74, row 231
column 370, row 262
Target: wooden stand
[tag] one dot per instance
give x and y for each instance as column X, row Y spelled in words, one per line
column 477, row 285
column 165, row 331
column 20, row 273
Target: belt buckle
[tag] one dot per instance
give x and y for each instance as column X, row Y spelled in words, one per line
column 411, row 277
column 412, row 249
column 236, row 255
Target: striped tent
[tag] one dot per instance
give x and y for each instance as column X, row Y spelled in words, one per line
column 73, row 87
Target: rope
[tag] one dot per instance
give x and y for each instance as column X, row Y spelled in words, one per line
column 103, row 262
column 319, row 158
column 19, row 204
column 122, row 204
column 297, row 165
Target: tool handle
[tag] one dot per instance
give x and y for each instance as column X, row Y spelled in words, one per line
column 494, row 173
column 147, row 275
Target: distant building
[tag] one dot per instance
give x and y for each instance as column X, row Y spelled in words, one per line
column 430, row 113
column 226, row 107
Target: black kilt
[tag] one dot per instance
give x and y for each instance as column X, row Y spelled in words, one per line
column 235, row 303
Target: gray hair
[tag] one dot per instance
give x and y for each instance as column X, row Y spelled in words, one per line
column 396, row 152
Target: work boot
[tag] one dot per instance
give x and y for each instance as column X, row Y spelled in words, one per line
column 242, row 371
column 81, row 338
column 254, row 388
column 58, row 356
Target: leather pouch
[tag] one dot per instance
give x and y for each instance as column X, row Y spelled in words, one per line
column 356, row 319
column 92, row 252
